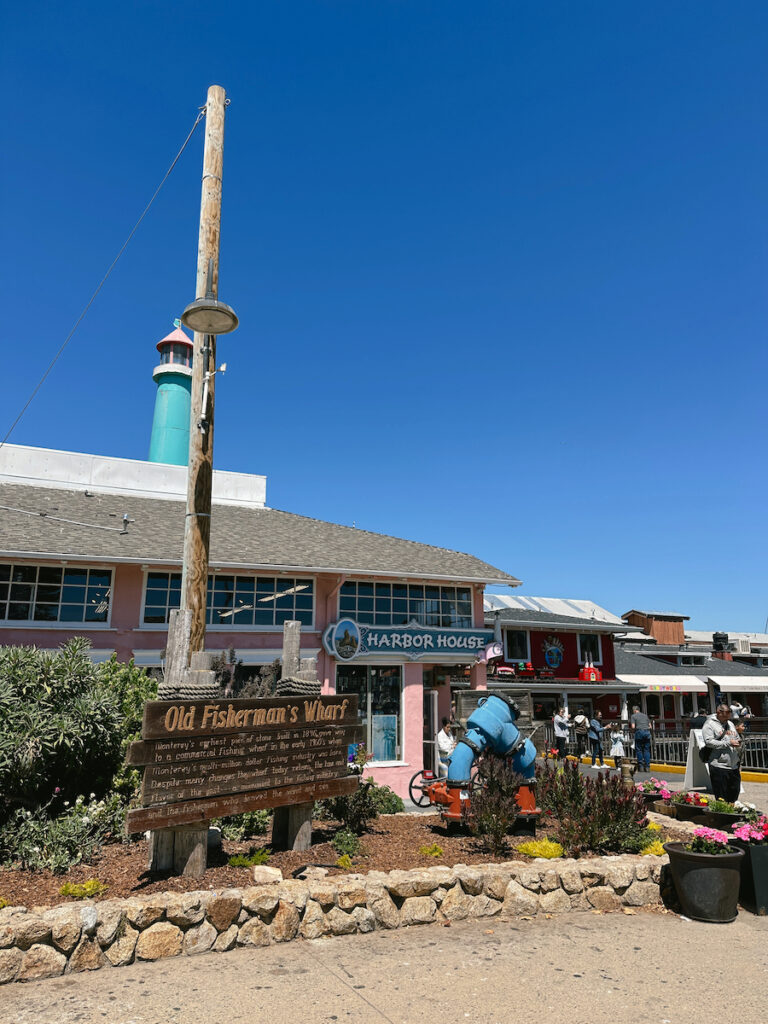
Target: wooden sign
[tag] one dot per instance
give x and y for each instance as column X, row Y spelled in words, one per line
column 215, row 758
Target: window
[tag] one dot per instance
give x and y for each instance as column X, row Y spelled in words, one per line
column 234, row 600
column 518, row 645
column 692, row 659
column 590, row 647
column 396, row 604
column 47, row 593
column 379, row 690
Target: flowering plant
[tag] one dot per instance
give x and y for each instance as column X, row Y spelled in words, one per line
column 752, row 831
column 692, row 799
column 709, row 840
column 655, row 787
column 358, row 759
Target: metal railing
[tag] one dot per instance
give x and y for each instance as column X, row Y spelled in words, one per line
column 669, row 741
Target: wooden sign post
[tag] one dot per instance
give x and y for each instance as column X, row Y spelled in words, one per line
column 205, row 759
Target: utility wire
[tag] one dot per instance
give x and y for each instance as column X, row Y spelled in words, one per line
column 72, row 522
column 103, row 281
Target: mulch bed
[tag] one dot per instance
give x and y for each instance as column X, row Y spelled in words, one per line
column 393, row 842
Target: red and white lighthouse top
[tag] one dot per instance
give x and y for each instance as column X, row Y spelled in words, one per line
column 176, row 349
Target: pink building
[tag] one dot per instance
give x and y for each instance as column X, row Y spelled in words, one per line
column 91, row 546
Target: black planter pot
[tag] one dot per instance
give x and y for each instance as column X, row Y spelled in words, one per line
column 707, row 884
column 689, row 812
column 753, row 892
column 721, row 820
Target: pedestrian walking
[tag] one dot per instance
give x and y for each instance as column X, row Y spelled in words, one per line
column 595, row 734
column 640, row 724
column 580, row 727
column 723, row 742
column 561, row 732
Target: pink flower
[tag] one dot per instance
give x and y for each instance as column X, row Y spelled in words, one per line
column 712, row 834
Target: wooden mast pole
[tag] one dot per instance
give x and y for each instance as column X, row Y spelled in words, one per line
column 197, row 527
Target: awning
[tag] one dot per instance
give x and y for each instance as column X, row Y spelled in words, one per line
column 740, row 684
column 665, row 684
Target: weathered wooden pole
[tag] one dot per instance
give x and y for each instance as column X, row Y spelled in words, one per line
column 197, row 528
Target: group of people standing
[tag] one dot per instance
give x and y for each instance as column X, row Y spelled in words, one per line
column 591, row 730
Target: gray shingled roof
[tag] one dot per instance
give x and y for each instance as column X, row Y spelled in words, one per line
column 528, row 617
column 632, row 663
column 240, row 537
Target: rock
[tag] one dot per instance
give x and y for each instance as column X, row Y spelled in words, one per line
column 554, row 902
column 641, row 894
column 602, row 897
column 285, row 923
column 313, row 874
column 643, row 869
column 89, row 918
column 418, row 910
column 253, row 933
column 86, row 957
column 110, row 917
column 201, row 938
column 592, row 872
column 142, row 913
column 472, row 879
column 295, row 892
column 6, row 913
column 366, row 921
column 519, row 900
column 457, row 904
column 7, row 936
column 10, row 962
column 30, row 930
column 322, row 892
column 226, row 940
column 411, row 883
column 313, row 924
column 496, row 883
column 350, row 894
column 122, row 949
column 159, row 941
column 439, row 895
column 442, row 875
column 260, row 899
column 262, row 875
column 484, row 906
column 550, row 879
column 529, row 877
column 383, row 907
column 570, row 879
column 580, row 901
column 657, row 866
column 65, row 927
column 186, row 909
column 619, row 874
column 223, row 910
column 340, row 922
column 41, row 962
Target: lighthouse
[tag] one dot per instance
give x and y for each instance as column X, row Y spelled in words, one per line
column 170, row 424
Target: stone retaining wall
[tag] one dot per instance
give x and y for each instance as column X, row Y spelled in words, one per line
column 46, row 942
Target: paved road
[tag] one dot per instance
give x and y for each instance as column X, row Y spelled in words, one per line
column 580, row 968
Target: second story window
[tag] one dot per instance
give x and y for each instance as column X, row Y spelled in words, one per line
column 234, row 600
column 590, row 647
column 396, row 604
column 47, row 593
column 517, row 644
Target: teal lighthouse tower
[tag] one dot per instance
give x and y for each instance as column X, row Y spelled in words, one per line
column 170, row 425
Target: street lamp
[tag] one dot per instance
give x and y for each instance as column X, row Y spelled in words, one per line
column 208, row 315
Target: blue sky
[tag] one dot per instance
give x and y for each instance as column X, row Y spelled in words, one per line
column 510, row 258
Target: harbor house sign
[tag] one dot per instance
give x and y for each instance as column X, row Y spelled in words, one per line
column 347, row 639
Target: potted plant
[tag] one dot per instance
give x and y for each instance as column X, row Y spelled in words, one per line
column 752, row 838
column 654, row 792
column 722, row 814
column 689, row 806
column 706, row 873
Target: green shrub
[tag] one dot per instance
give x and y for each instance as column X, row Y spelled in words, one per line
column 541, row 848
column 344, row 862
column 597, row 815
column 494, row 808
column 3, row 903
column 386, row 800
column 355, row 810
column 654, row 849
column 83, row 890
column 345, row 841
column 36, row 841
column 433, row 850
column 238, row 827
column 254, row 856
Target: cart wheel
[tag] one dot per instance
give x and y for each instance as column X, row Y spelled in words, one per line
column 416, row 790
